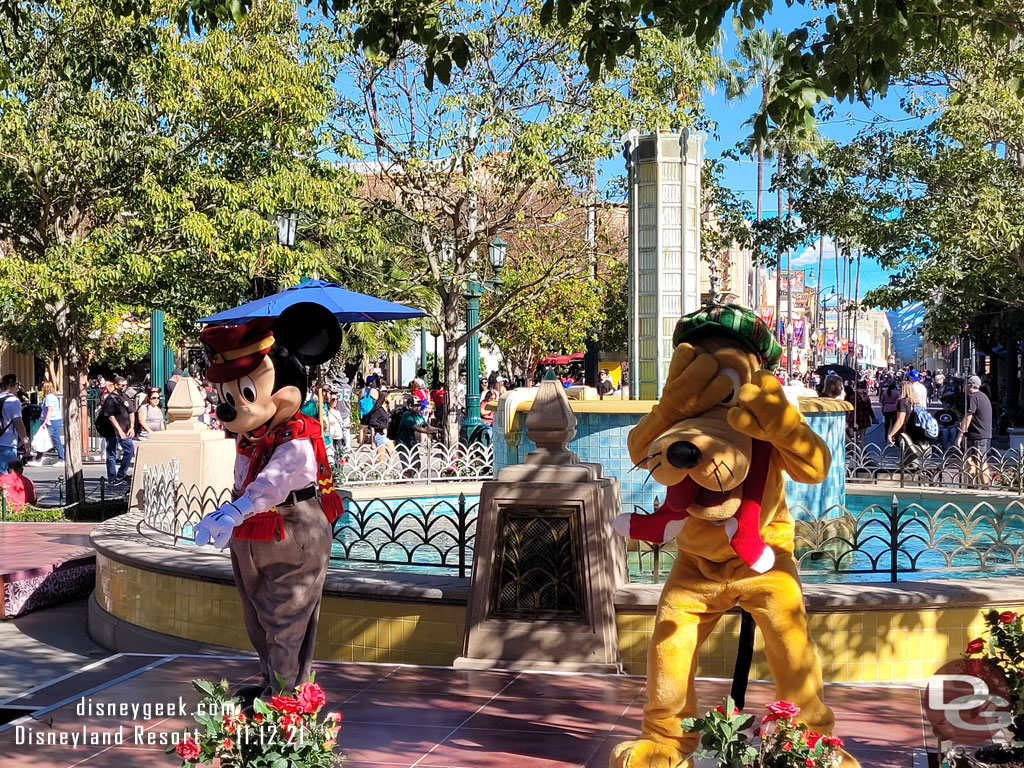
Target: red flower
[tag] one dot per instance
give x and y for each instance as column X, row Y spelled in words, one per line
column 1007, row 616
column 786, row 746
column 811, row 737
column 976, row 645
column 285, row 704
column 720, row 710
column 336, row 716
column 311, row 697
column 227, row 743
column 835, row 741
column 188, row 748
column 808, row 762
column 257, row 718
column 783, row 709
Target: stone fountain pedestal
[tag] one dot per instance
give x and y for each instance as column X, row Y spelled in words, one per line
column 546, row 562
column 206, row 457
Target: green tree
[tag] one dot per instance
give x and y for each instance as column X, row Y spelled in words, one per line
column 506, row 148
column 761, row 55
column 154, row 183
column 559, row 319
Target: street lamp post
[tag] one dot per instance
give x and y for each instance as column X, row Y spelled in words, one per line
column 497, row 249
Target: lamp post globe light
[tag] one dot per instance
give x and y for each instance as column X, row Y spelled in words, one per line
column 497, row 250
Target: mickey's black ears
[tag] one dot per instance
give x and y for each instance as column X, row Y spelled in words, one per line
column 309, row 331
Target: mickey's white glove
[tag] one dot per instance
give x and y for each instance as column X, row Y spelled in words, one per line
column 217, row 526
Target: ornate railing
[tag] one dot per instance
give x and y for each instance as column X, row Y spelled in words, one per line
column 405, row 532
column 169, row 508
column 887, row 542
column 879, row 542
column 423, row 463
column 934, row 467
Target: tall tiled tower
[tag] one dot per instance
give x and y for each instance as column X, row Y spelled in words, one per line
column 664, row 248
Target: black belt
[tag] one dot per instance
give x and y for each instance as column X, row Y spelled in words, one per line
column 303, row 494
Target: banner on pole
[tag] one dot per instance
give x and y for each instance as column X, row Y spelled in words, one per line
column 844, row 345
column 766, row 313
column 830, row 341
column 798, row 331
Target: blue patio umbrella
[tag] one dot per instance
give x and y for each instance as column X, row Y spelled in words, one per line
column 347, row 306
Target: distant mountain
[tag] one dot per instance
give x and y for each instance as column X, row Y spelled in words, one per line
column 906, row 329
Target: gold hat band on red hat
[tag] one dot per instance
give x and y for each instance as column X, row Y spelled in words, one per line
column 235, row 354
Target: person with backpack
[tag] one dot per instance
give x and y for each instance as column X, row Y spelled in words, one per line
column 369, row 400
column 914, row 426
column 116, row 425
column 12, row 426
column 411, row 424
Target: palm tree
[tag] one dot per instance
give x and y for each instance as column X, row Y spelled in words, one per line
column 758, row 66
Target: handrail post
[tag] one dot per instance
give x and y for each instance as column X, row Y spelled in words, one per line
column 903, row 460
column 894, row 519
column 461, row 527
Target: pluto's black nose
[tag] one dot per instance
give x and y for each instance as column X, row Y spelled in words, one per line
column 683, row 454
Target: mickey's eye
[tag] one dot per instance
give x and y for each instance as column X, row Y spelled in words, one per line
column 734, row 377
column 247, row 389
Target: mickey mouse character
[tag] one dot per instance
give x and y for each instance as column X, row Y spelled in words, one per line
column 278, row 525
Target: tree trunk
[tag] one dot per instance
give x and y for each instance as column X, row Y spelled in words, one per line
column 450, row 332
column 75, row 369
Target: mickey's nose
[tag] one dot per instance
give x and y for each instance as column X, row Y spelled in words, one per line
column 683, row 454
column 226, row 412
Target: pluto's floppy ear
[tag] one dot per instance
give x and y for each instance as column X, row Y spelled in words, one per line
column 309, row 331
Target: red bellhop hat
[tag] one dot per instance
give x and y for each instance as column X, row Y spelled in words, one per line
column 236, row 350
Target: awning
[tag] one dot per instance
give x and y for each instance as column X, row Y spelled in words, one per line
column 560, row 359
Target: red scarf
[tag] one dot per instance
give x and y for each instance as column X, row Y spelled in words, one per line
column 266, row 526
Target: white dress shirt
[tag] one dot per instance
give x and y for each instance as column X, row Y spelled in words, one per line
column 291, row 467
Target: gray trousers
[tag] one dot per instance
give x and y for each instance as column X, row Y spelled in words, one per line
column 281, row 584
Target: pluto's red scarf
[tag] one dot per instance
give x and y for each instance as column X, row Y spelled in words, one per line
column 266, row 526
column 743, row 529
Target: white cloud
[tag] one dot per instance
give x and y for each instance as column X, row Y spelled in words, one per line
column 809, row 256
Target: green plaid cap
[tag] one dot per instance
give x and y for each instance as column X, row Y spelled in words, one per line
column 742, row 324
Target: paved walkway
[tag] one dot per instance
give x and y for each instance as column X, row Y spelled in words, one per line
column 399, row 717
column 48, row 480
column 43, row 645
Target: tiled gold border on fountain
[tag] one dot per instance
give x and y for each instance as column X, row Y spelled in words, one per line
column 855, row 647
column 350, row 629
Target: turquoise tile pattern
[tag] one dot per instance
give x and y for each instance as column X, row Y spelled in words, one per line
column 601, row 438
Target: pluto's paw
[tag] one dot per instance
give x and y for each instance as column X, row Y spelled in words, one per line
column 648, row 754
column 849, row 761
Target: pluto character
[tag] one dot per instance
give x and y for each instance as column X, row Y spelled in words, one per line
column 278, row 525
column 720, row 438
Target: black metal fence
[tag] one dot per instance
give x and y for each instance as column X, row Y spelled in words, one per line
column 407, row 533
column 904, row 466
column 877, row 542
column 887, row 543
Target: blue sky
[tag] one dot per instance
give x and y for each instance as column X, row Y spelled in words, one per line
column 848, row 119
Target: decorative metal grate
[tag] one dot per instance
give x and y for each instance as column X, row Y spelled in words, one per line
column 438, row 535
column 887, row 543
column 422, row 463
column 902, row 466
column 171, row 509
column 539, row 565
column 880, row 542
